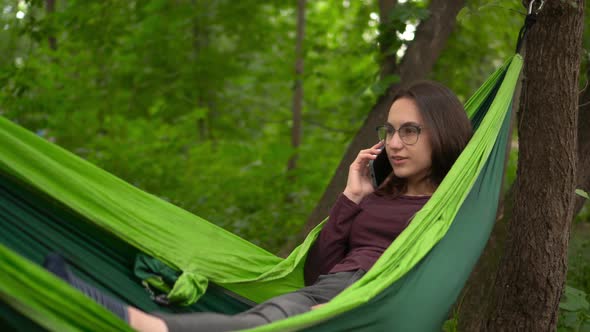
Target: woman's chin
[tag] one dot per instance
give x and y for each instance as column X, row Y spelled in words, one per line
column 400, row 174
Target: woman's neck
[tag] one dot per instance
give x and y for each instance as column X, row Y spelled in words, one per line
column 422, row 188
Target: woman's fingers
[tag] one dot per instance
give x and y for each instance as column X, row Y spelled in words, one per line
column 378, row 145
column 376, row 149
column 362, row 160
column 368, row 154
column 367, row 170
column 359, row 180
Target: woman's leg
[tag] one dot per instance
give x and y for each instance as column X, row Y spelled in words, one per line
column 272, row 310
column 275, row 309
column 56, row 264
column 210, row 321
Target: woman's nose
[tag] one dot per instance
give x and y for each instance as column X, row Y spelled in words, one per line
column 396, row 141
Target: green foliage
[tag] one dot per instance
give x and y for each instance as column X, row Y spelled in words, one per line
column 511, row 165
column 582, row 193
column 191, row 100
column 411, row 12
column 574, row 311
column 584, row 214
column 574, row 300
column 579, row 257
column 383, row 84
column 451, row 324
column 485, row 35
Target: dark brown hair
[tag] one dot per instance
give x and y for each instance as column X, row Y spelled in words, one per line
column 448, row 125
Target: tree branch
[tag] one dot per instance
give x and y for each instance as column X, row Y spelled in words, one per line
column 388, row 61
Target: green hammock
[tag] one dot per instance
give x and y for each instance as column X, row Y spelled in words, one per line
column 52, row 200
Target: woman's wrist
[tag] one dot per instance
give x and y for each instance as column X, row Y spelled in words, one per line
column 353, row 197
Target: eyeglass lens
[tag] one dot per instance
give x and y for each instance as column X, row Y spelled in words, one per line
column 408, row 134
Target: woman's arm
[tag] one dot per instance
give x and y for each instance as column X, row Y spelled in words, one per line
column 331, row 245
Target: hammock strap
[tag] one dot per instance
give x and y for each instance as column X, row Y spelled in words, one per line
column 529, row 21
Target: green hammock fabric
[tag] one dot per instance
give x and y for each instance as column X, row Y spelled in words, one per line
column 33, row 226
column 412, row 285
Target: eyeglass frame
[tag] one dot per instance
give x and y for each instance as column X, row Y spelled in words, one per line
column 406, row 125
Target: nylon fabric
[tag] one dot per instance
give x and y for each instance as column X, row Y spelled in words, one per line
column 34, row 226
column 57, row 310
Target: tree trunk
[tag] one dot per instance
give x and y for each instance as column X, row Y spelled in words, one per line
column 298, row 89
column 417, row 63
column 201, row 38
column 529, row 282
column 50, row 7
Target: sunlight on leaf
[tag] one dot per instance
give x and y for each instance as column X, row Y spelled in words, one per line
column 582, row 193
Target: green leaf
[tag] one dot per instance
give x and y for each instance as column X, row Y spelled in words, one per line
column 568, row 320
column 574, row 300
column 382, row 85
column 451, row 325
column 157, row 107
column 200, row 112
column 582, row 193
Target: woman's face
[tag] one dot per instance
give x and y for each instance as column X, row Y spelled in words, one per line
column 410, row 161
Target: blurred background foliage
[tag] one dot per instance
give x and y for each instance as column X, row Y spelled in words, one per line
column 191, row 100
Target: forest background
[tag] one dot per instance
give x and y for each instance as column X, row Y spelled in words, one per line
column 193, row 100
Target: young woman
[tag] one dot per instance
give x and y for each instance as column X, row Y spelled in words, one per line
column 426, row 130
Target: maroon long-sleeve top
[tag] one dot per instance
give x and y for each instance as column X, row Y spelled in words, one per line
column 356, row 235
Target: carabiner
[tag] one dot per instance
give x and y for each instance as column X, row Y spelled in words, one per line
column 536, row 10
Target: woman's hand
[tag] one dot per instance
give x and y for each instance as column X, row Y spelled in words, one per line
column 359, row 182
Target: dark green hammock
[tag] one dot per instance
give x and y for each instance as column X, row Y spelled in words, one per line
column 51, row 200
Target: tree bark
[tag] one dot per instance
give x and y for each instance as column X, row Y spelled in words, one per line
column 431, row 38
column 529, row 282
column 417, row 63
column 298, row 88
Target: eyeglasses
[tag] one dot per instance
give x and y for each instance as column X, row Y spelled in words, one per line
column 409, row 134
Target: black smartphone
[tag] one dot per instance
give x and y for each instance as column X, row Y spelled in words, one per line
column 380, row 168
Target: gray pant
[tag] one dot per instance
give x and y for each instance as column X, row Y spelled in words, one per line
column 280, row 307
